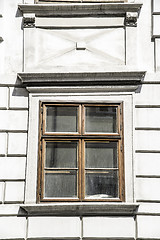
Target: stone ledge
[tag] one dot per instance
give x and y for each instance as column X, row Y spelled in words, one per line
column 81, row 209
column 80, row 9
column 82, row 79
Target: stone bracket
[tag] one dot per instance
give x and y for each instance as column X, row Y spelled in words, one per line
column 29, row 21
column 131, row 19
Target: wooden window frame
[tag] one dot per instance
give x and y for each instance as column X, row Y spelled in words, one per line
column 81, row 137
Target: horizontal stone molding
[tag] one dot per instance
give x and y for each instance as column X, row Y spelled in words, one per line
column 81, row 9
column 80, row 209
column 103, row 81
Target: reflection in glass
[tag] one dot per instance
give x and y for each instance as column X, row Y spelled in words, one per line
column 101, row 155
column 102, row 185
column 61, row 154
column 61, row 119
column 101, row 119
column 61, row 185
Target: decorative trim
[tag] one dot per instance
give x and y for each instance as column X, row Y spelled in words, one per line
column 28, row 22
column 82, row 79
column 81, row 9
column 131, row 19
column 92, row 90
column 80, row 209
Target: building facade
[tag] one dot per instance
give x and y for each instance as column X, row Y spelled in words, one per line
column 79, row 120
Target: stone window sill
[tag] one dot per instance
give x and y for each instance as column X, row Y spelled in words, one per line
column 80, row 209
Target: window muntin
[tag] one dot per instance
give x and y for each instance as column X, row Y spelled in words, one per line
column 81, row 165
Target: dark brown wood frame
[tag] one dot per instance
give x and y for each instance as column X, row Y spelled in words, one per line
column 81, row 137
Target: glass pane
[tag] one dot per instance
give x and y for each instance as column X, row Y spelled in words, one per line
column 101, row 119
column 61, row 119
column 59, row 185
column 61, row 154
column 101, row 155
column 102, row 185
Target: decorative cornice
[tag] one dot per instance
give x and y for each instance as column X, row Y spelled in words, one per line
column 80, row 209
column 82, row 82
column 82, row 78
column 80, row 9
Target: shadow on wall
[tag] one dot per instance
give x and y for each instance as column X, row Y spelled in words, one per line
column 18, row 90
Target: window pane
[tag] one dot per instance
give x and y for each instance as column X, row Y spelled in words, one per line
column 61, row 154
column 59, row 185
column 101, row 155
column 102, row 185
column 61, row 119
column 101, row 119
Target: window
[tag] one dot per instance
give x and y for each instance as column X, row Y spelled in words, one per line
column 81, row 152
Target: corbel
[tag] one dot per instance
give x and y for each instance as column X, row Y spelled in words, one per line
column 28, row 20
column 131, row 19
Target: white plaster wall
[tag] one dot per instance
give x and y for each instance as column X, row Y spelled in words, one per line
column 144, row 43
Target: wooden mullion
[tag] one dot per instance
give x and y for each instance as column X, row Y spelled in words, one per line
column 60, row 169
column 40, row 154
column 42, row 171
column 62, row 104
column 86, row 137
column 79, row 120
column 121, row 160
column 79, row 179
column 83, row 170
column 96, row 171
column 83, row 119
column 102, row 134
column 101, row 105
column 44, row 117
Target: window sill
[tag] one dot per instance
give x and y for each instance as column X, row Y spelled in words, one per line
column 80, row 209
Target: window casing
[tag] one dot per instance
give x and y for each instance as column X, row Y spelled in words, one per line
column 81, row 152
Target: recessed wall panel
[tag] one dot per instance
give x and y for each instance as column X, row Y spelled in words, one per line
column 47, row 50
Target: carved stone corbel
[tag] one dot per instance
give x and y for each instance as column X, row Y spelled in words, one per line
column 29, row 21
column 131, row 19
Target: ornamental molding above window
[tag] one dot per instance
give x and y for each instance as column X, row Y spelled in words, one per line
column 106, row 81
column 129, row 11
